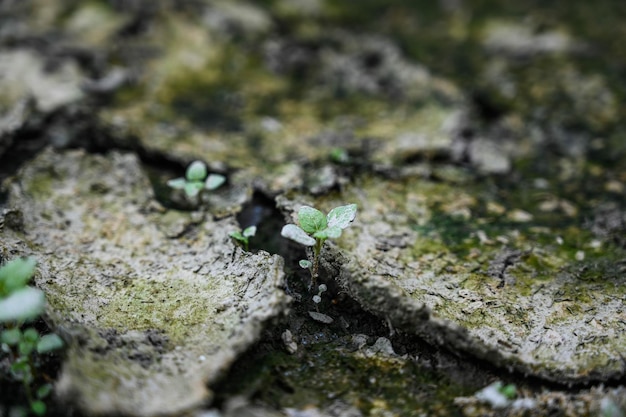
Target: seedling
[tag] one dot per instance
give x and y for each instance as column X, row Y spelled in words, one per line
column 244, row 237
column 318, row 298
column 20, row 303
column 339, row 156
column 196, row 180
column 315, row 228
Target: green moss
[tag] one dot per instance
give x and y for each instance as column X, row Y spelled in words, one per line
column 323, row 374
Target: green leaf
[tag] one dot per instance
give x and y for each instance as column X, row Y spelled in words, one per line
column 214, row 181
column 304, row 264
column 342, row 216
column 238, row 236
column 25, row 347
column 24, row 304
column 177, row 183
column 293, row 232
column 249, row 231
column 509, row 391
column 38, row 407
column 193, row 188
column 311, row 220
column 49, row 342
column 11, row 337
column 31, row 335
column 43, row 391
column 329, row 233
column 196, row 171
column 339, row 155
column 16, row 274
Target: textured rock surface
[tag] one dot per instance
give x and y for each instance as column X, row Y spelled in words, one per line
column 155, row 303
column 473, row 273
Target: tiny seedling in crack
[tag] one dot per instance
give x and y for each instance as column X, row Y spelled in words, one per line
column 318, row 298
column 339, row 156
column 244, row 237
column 196, row 180
column 314, row 229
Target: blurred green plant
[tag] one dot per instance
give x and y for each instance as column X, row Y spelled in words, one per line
column 196, row 180
column 19, row 304
column 314, row 229
column 244, row 236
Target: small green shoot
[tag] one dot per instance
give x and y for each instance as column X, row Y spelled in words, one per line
column 196, row 180
column 20, row 303
column 339, row 156
column 244, row 237
column 497, row 394
column 314, row 229
column 318, row 297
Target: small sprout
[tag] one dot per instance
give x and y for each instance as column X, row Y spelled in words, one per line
column 305, row 264
column 314, row 229
column 497, row 394
column 196, row 180
column 244, row 237
column 339, row 156
column 318, row 298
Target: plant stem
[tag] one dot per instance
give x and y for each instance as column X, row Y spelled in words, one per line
column 317, row 249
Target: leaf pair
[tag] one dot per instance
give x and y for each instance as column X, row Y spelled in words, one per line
column 194, row 180
column 314, row 226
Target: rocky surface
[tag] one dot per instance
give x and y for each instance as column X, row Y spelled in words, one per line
column 474, row 273
column 155, row 304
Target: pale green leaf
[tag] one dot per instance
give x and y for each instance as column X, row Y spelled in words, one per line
column 16, row 274
column 49, row 342
column 311, row 220
column 238, row 236
column 249, row 231
column 11, row 336
column 304, row 264
column 177, row 183
column 328, row 233
column 293, row 232
column 342, row 216
column 196, row 171
column 214, row 181
column 193, row 188
column 24, row 304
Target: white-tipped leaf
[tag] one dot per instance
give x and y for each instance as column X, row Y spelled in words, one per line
column 249, row 231
column 293, row 232
column 342, row 216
